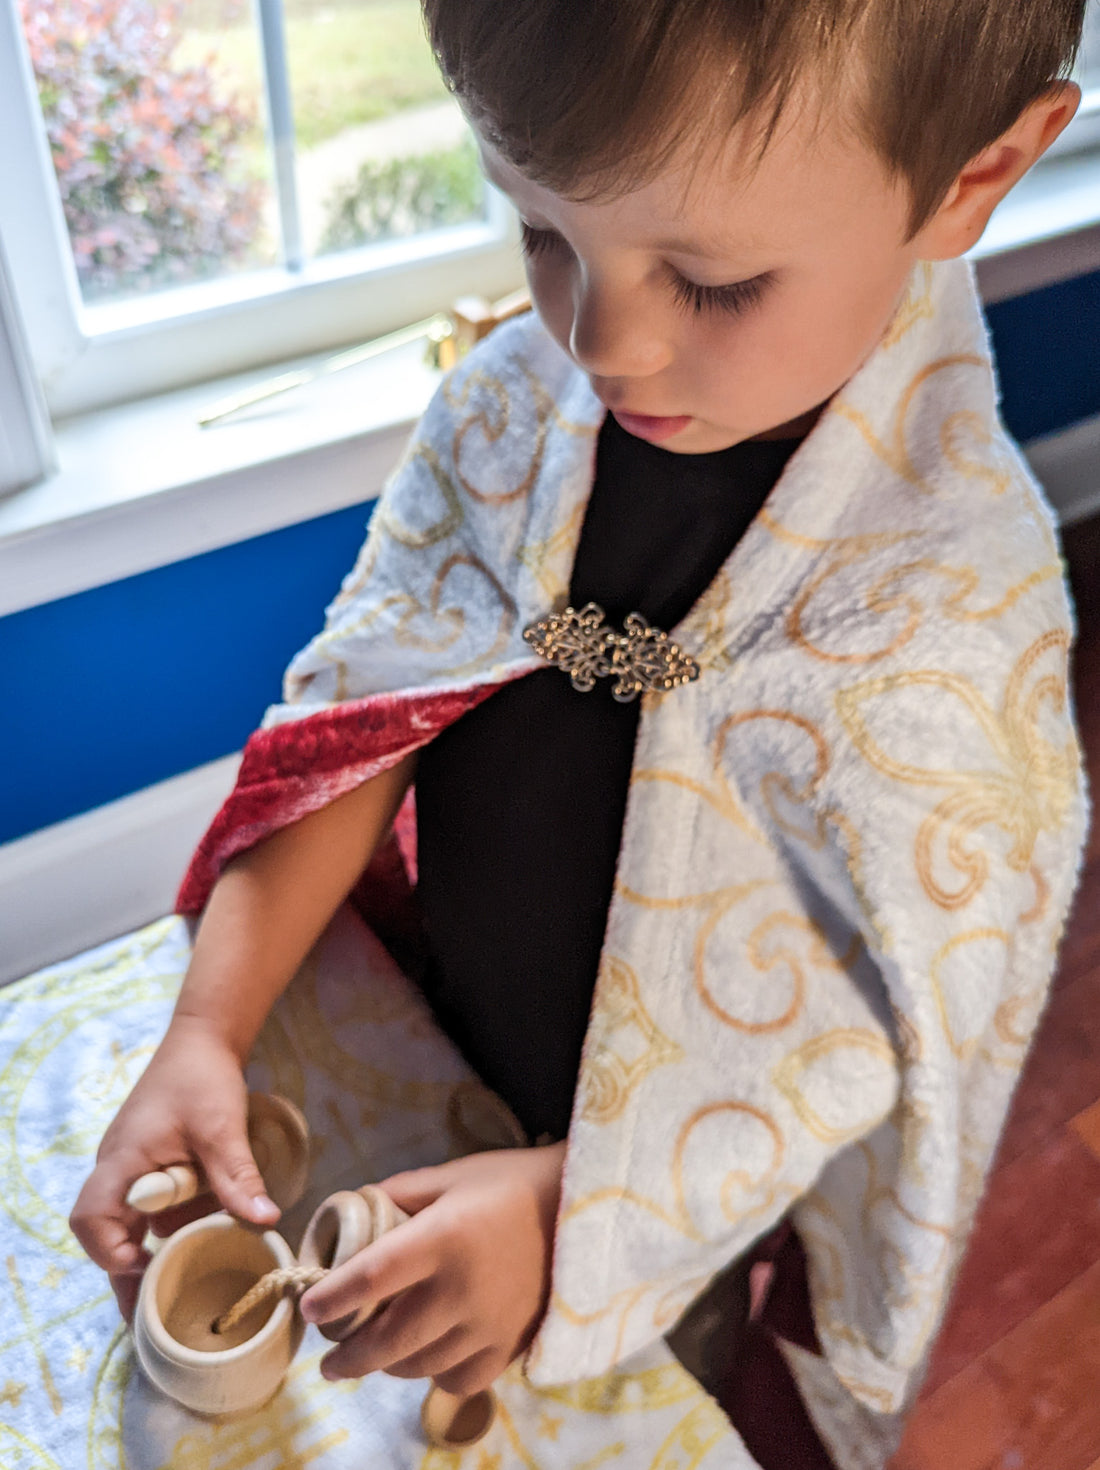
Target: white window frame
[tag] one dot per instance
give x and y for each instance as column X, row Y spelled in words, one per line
column 89, row 357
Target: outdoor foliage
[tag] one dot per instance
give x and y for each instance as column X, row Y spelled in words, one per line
column 148, row 156
column 403, row 196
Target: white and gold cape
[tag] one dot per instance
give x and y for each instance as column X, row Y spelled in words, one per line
column 849, row 847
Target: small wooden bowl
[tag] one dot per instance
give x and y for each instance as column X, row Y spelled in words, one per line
column 198, row 1273
column 454, row 1423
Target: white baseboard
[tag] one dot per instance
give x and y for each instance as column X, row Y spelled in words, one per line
column 1067, row 465
column 101, row 874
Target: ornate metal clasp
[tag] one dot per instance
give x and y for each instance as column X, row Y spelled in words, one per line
column 641, row 659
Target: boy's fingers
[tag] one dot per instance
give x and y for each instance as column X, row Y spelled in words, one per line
column 416, row 1189
column 481, row 1370
column 398, row 1260
column 410, row 1325
column 446, row 1352
column 232, row 1174
column 126, row 1290
column 104, row 1224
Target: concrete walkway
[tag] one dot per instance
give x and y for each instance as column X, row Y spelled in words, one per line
column 335, row 162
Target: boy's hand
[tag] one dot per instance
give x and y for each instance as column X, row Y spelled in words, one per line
column 190, row 1105
column 465, row 1280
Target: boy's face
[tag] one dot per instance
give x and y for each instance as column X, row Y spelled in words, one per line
column 818, row 227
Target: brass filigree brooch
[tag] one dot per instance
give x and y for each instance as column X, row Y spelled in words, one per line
column 641, row 659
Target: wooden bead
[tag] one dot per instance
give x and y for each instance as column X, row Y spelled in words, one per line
column 164, row 1188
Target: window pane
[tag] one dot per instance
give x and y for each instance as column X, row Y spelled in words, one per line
column 154, row 116
column 1090, row 49
column 383, row 151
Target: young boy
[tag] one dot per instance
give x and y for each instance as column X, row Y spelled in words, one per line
column 822, row 864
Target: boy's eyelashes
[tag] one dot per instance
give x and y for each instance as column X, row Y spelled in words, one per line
column 736, row 297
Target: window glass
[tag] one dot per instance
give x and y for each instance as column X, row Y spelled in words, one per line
column 157, row 139
column 383, row 150
column 1090, row 47
column 160, row 134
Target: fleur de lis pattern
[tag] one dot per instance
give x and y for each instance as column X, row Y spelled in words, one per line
column 850, row 844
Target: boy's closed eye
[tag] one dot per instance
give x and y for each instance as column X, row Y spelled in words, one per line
column 734, row 297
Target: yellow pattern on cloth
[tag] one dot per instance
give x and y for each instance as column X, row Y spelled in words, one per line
column 849, row 847
column 352, row 1044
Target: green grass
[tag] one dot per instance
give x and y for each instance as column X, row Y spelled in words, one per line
column 348, row 65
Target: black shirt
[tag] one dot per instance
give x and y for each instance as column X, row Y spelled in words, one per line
column 520, row 803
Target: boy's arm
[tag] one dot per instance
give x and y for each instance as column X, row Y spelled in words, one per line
column 273, row 901
column 264, row 914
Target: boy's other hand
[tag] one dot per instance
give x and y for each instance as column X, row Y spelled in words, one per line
column 190, row 1105
column 464, row 1282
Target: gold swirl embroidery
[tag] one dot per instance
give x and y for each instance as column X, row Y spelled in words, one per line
column 539, row 557
column 850, row 547
column 494, row 418
column 363, row 569
column 623, row 1302
column 895, row 453
column 789, row 1073
column 680, row 1218
column 446, row 525
column 688, row 1443
column 454, row 618
column 735, row 1179
column 1029, row 789
column 705, row 625
column 1014, row 1018
column 609, row 1076
column 885, row 595
column 888, row 597
column 624, row 1393
column 962, row 1049
column 620, row 1194
column 777, row 785
column 916, row 305
column 998, row 475
column 295, row 687
column 765, row 955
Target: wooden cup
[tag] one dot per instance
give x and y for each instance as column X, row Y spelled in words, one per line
column 199, row 1273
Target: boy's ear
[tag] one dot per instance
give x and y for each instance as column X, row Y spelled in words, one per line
column 962, row 217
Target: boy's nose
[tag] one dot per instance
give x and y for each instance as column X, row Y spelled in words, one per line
column 612, row 335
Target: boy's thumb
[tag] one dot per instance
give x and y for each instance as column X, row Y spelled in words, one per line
column 233, row 1176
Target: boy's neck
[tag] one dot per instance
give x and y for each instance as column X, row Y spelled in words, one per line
column 794, row 429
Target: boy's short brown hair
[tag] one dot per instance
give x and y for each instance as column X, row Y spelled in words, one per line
column 591, row 97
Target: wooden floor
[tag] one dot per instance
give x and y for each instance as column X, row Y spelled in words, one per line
column 1015, row 1380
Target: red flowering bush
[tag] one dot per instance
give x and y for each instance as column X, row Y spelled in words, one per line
column 148, row 157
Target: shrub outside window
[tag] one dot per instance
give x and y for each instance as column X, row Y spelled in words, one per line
column 213, row 160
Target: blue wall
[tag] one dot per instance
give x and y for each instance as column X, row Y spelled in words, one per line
column 195, row 693
column 198, row 646
column 1048, row 356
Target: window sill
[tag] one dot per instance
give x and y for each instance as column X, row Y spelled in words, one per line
column 141, row 485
